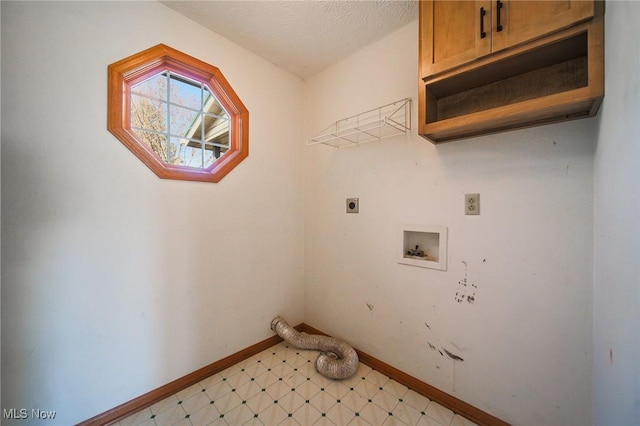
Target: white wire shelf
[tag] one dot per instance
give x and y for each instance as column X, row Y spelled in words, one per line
column 386, row 121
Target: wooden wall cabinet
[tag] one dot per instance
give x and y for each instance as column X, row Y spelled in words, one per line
column 489, row 66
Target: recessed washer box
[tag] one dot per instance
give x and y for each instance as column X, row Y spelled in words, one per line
column 424, row 246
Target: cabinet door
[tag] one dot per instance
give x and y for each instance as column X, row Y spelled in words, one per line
column 526, row 20
column 450, row 33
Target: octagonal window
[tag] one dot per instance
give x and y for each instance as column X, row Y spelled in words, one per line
column 177, row 114
column 181, row 120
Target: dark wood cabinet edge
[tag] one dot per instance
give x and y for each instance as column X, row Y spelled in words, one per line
column 599, row 9
column 454, row 132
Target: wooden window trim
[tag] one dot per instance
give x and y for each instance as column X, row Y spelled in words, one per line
column 122, row 75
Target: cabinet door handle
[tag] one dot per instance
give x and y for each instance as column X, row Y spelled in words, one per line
column 483, row 12
column 499, row 5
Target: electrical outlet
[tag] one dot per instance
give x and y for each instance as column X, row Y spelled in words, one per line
column 471, row 204
column 352, row 205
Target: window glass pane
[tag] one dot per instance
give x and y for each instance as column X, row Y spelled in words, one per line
column 154, row 87
column 216, row 120
column 211, row 154
column 185, row 122
column 216, row 151
column 148, row 114
column 187, row 153
column 212, row 105
column 186, row 92
column 193, row 120
column 216, row 130
column 157, row 142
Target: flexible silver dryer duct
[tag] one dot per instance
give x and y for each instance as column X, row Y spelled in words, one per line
column 337, row 360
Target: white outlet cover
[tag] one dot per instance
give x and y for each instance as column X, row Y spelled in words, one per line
column 471, row 204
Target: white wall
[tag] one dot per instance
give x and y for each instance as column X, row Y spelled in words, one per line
column 110, row 287
column 115, row 282
column 616, row 296
column 526, row 340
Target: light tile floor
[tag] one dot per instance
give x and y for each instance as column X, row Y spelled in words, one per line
column 280, row 386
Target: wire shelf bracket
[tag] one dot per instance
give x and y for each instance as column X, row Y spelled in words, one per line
column 383, row 122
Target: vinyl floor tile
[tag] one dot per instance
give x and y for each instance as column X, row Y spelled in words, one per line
column 279, row 386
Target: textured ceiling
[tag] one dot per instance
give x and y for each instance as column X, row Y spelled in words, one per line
column 303, row 37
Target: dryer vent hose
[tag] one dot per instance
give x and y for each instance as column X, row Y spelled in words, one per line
column 337, row 360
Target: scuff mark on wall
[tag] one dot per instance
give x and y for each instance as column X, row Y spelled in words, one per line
column 444, row 352
column 370, row 306
column 436, row 347
column 452, row 355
